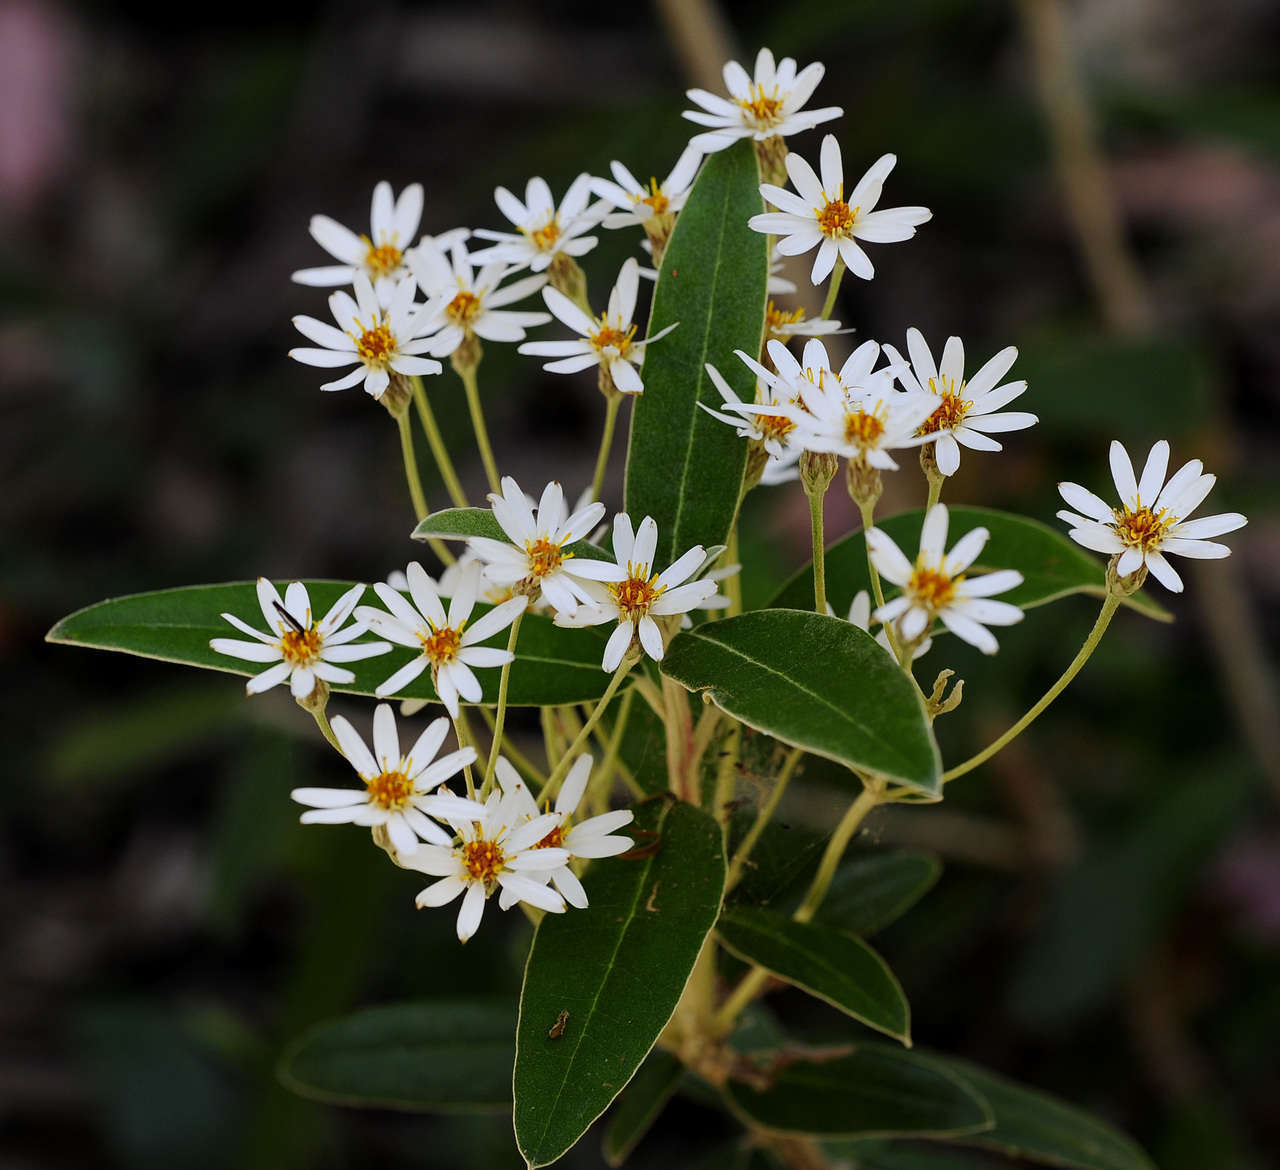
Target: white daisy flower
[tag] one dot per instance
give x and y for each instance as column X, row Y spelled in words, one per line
column 936, row 587
column 374, row 340
column 821, row 215
column 964, row 412
column 446, row 643
column 379, row 256
column 860, row 616
column 717, row 601
column 633, row 596
column 497, row 852
column 544, row 231
column 856, row 412
column 397, row 788
column 1152, row 517
column 536, row 555
column 302, row 650
column 781, row 468
column 784, row 324
column 773, row 430
column 587, row 839
column 638, row 204
column 462, row 302
column 608, row 342
column 764, row 106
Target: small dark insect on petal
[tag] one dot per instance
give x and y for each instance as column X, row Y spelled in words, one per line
column 288, row 617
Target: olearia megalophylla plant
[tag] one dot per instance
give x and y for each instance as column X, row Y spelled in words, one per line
column 610, row 625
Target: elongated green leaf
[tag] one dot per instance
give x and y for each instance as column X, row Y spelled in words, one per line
column 1040, row 1128
column 639, row 1104
column 827, row 962
column 453, row 523
column 816, row 682
column 552, row 666
column 617, row 969
column 873, row 1091
column 1051, row 564
column 683, row 467
column 872, row 889
column 441, row 1055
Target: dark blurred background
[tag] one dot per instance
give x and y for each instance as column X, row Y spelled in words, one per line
column 1105, row 180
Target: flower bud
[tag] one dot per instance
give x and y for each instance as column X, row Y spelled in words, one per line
column 817, row 470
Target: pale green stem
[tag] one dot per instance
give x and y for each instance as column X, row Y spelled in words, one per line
column 411, row 467
column 552, row 744
column 679, row 728
column 732, row 585
column 819, row 552
column 468, row 376
column 500, row 718
column 877, row 591
column 767, row 810
column 439, row 451
column 650, row 694
column 754, row 982
column 935, row 491
column 463, row 731
column 726, row 775
column 830, row 303
column 612, row 402
column 573, row 750
column 1090, row 644
column 604, row 773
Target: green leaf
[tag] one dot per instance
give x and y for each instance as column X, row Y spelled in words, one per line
column 1032, row 1125
column 872, row 889
column 832, row 964
column 1051, row 564
column 872, row 1091
column 457, row 523
column 552, row 666
column 441, row 1055
column 815, row 682
column 639, row 1104
column 618, row 969
column 684, row 468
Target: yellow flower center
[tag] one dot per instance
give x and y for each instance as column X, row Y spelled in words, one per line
column 555, row 838
column 1143, row 528
column 391, row 790
column 952, row 411
column 463, row 309
column 545, row 556
column 837, row 217
column 864, row 428
column 776, row 321
column 545, row 237
column 765, row 109
column 382, row 259
column 300, row 647
column 376, row 345
column 655, row 199
column 774, row 426
column 931, row 587
column 483, row 860
column 441, row 646
column 608, row 336
column 637, row 593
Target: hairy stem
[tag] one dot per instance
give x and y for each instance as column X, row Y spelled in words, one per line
column 612, row 402
column 435, row 441
column 468, row 375
column 819, row 552
column 500, row 717
column 572, row 751
column 830, row 303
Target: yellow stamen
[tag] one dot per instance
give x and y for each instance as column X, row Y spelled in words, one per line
column 441, row 646
column 655, row 199
column 382, row 259
column 608, row 336
column 1142, row 528
column 555, row 838
column 764, row 108
column 932, row 587
column 376, row 345
column 545, row 237
column 774, row 426
column 776, row 320
column 837, row 218
column 300, row 647
column 545, row 556
column 863, row 428
column 483, row 860
column 391, row 790
column 637, row 593
column 463, row 309
column 952, row 411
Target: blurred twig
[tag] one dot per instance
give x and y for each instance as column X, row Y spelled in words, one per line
column 700, row 36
